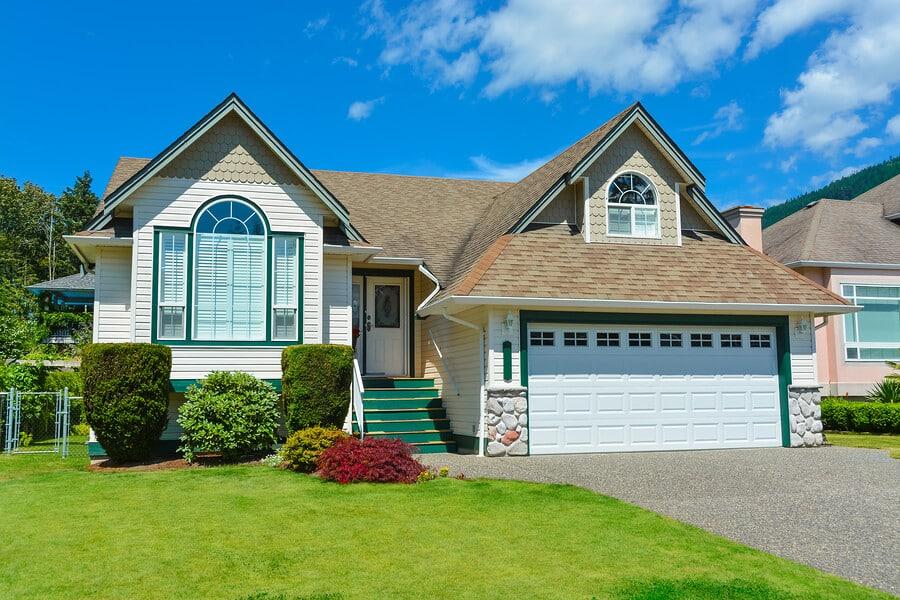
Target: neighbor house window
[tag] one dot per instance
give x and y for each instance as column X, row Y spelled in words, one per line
column 228, row 279
column 874, row 332
column 632, row 208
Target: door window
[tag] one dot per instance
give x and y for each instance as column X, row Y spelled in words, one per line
column 387, row 306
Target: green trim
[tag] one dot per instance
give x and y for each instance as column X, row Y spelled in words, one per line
column 507, row 361
column 410, row 275
column 181, row 385
column 780, row 323
column 189, row 291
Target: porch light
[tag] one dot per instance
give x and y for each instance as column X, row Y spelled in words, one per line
column 509, row 322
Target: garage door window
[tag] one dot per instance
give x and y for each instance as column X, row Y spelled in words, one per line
column 670, row 340
column 701, row 340
column 760, row 340
column 640, row 339
column 541, row 338
column 730, row 340
column 575, row 338
column 607, row 338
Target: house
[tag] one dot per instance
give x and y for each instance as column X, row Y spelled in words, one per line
column 601, row 303
column 853, row 249
column 70, row 294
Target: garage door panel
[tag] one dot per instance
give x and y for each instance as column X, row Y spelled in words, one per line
column 599, row 399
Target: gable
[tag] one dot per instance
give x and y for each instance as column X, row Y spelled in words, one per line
column 232, row 152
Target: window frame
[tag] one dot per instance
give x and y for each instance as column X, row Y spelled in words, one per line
column 641, row 337
column 763, row 340
column 541, row 336
column 189, row 232
column 609, row 338
column 734, row 340
column 575, row 339
column 158, row 249
column 701, row 339
column 671, row 339
column 858, row 346
column 273, row 305
column 632, row 212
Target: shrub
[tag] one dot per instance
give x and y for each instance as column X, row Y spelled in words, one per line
column 316, row 385
column 871, row 417
column 81, row 429
column 888, row 390
column 381, row 460
column 231, row 413
column 126, row 396
column 303, row 447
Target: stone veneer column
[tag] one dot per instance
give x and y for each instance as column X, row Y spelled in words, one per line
column 506, row 421
column 805, row 415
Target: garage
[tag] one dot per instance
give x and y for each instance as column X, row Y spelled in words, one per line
column 621, row 388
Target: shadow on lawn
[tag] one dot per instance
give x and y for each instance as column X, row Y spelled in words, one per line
column 700, row 589
column 268, row 596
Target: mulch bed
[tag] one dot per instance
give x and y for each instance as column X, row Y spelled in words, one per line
column 163, row 464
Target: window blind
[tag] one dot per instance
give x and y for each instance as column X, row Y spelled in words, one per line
column 172, row 279
column 284, row 292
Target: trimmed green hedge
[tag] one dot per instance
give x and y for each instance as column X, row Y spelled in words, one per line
column 126, row 396
column 870, row 417
column 315, row 386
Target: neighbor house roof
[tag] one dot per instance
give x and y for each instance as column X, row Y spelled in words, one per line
column 834, row 231
column 887, row 194
column 78, row 281
column 555, row 262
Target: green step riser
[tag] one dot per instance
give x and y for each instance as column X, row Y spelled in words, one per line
column 394, row 394
column 398, row 383
column 436, row 448
column 426, row 425
column 401, row 415
column 404, row 404
column 414, row 437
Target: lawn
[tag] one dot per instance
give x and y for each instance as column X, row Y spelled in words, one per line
column 236, row 531
column 888, row 442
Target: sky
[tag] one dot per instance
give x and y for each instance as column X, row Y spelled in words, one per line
column 769, row 99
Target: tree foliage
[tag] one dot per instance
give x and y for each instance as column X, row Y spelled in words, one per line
column 845, row 188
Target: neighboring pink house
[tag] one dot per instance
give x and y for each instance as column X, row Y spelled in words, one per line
column 853, row 249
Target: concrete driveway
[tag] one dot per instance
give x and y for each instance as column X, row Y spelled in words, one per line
column 835, row 509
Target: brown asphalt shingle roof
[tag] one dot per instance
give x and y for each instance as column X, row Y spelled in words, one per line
column 555, row 262
column 835, row 231
column 887, row 194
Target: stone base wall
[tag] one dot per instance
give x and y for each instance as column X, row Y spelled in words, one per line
column 805, row 414
column 506, row 421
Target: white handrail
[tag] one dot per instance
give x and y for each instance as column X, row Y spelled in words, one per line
column 356, row 399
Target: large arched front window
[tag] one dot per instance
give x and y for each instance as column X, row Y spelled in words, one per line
column 244, row 284
column 632, row 208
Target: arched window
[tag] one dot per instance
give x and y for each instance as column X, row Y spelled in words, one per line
column 229, row 272
column 632, row 208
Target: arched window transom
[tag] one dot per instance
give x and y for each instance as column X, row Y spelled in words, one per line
column 632, row 208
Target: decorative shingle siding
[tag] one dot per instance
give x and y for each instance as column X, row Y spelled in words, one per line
column 633, row 152
column 230, row 151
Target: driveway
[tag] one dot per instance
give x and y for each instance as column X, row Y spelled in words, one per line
column 835, row 509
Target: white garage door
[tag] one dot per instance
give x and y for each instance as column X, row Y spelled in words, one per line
column 608, row 388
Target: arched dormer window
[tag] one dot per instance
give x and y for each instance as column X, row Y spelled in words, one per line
column 632, row 207
column 244, row 284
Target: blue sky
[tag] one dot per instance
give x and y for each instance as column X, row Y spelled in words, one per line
column 769, row 99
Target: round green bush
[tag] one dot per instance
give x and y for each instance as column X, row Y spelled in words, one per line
column 230, row 413
column 316, row 385
column 126, row 396
column 303, row 447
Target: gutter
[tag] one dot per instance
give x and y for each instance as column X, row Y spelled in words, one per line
column 437, row 286
column 481, row 370
column 841, row 265
column 446, row 304
column 363, row 251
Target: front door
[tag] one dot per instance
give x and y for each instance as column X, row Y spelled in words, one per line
column 386, row 322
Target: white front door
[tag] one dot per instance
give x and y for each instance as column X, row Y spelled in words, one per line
column 615, row 388
column 386, row 325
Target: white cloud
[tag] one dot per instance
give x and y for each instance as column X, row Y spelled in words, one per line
column 826, row 178
column 786, row 17
column 863, row 146
column 788, row 164
column 362, row 109
column 855, row 68
column 893, row 127
column 485, row 168
column 701, row 91
column 345, row 60
column 316, row 25
column 727, row 118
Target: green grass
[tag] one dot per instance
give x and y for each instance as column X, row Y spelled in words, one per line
column 888, row 442
column 255, row 532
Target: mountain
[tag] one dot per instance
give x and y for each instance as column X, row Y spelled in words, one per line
column 845, row 188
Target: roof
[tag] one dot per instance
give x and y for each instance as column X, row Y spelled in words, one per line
column 555, row 262
column 125, row 169
column 78, row 281
column 887, row 194
column 835, row 231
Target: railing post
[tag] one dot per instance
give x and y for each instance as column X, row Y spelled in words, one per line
column 8, row 425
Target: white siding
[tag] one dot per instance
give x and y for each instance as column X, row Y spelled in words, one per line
column 458, row 373
column 803, row 350
column 173, row 203
column 336, row 323
column 497, row 334
column 112, row 295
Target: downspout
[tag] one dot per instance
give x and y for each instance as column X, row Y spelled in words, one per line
column 481, row 393
column 437, row 286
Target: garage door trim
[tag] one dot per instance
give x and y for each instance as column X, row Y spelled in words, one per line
column 780, row 323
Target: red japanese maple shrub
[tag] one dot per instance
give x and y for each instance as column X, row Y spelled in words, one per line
column 381, row 460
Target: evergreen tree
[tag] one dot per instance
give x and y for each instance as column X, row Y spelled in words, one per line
column 74, row 209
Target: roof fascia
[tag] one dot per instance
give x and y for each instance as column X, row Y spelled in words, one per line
column 841, row 265
column 231, row 104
